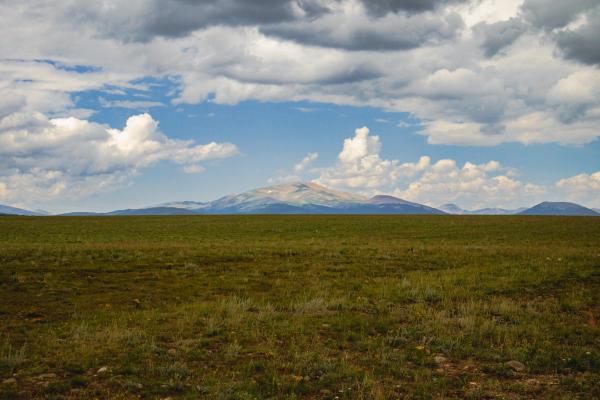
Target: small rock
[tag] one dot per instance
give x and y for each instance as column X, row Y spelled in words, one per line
column 440, row 359
column 9, row 381
column 202, row 389
column 516, row 365
column 103, row 370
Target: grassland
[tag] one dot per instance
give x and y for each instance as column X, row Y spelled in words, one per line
column 296, row 307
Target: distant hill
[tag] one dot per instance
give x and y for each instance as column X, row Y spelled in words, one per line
column 454, row 209
column 392, row 205
column 153, row 211
column 80, row 214
column 559, row 208
column 8, row 210
column 496, row 211
column 135, row 211
column 188, row 205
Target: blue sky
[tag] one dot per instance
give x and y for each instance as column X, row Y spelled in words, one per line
column 480, row 103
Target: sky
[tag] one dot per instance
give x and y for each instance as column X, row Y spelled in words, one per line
column 108, row 104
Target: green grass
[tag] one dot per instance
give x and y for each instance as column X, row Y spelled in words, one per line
column 253, row 307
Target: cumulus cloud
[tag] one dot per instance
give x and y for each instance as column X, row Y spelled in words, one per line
column 485, row 69
column 549, row 14
column 583, row 188
column 499, row 35
column 471, row 185
column 352, row 29
column 142, row 20
column 43, row 157
column 360, row 167
column 573, row 25
column 581, row 43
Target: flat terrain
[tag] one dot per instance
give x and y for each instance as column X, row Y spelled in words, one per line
column 299, row 307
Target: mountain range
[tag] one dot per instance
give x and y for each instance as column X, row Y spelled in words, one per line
column 303, row 198
column 454, row 209
column 312, row 198
column 544, row 208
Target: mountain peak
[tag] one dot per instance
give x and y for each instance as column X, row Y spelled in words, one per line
column 295, row 193
column 300, row 185
column 297, row 185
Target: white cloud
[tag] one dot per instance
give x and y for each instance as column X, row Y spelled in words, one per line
column 360, row 165
column 70, row 157
column 193, row 169
column 488, row 11
column 305, row 109
column 584, row 188
column 360, row 146
column 471, row 186
column 39, row 86
column 298, row 173
column 350, row 26
column 427, row 63
column 582, row 86
column 361, row 168
column 306, row 161
column 131, row 104
column 490, row 184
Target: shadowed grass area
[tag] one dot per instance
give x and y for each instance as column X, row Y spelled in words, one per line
column 252, row 307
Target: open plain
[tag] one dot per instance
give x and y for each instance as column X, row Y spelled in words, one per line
column 300, row 307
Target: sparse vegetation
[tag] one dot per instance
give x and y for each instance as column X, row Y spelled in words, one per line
column 253, row 307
